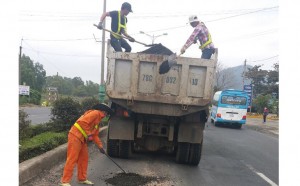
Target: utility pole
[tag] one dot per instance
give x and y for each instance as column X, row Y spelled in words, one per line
column 102, row 86
column 244, row 72
column 20, row 56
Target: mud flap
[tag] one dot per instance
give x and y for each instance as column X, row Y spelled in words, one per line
column 191, row 132
column 121, row 128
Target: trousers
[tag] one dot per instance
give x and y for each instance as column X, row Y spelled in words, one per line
column 77, row 154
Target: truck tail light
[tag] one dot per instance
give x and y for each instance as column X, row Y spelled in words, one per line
column 218, row 115
column 244, row 117
column 122, row 112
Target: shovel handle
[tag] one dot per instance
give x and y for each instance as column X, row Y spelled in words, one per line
column 114, row 162
column 121, row 35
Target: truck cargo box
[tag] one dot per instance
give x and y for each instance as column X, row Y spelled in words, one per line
column 133, row 81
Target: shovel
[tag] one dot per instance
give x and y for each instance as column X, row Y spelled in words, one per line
column 167, row 64
column 125, row 37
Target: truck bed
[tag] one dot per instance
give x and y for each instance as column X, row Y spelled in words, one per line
column 133, row 81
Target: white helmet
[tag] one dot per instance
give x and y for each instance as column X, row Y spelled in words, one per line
column 193, row 18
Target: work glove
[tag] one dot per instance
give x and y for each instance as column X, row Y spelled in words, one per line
column 90, row 138
column 100, row 25
column 102, row 150
column 131, row 39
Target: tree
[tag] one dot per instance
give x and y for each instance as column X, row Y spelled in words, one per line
column 261, row 102
column 33, row 74
column 272, row 80
column 224, row 78
column 92, row 88
column 77, row 81
column 258, row 79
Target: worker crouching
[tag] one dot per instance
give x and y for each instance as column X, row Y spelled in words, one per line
column 85, row 129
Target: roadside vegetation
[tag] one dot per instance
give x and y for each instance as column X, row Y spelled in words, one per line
column 38, row 139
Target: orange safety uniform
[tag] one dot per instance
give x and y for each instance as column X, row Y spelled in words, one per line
column 77, row 152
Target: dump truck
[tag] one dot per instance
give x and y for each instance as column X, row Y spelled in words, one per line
column 155, row 112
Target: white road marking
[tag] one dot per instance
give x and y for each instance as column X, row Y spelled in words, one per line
column 261, row 175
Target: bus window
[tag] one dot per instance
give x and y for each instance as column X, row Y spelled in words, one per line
column 234, row 100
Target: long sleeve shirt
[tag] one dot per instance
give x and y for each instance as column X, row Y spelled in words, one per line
column 201, row 33
column 88, row 122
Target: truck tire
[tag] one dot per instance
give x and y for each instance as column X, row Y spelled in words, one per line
column 182, row 155
column 125, row 148
column 195, row 153
column 112, row 147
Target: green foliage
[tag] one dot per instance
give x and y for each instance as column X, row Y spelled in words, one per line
column 33, row 74
column 265, row 82
column 262, row 101
column 88, row 103
column 23, row 125
column 65, row 112
column 34, row 98
column 40, row 144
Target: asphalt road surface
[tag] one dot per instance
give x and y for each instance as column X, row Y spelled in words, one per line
column 230, row 157
column 38, row 115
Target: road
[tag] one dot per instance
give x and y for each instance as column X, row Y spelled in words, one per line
column 38, row 115
column 230, row 157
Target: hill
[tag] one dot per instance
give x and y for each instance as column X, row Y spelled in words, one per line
column 231, row 78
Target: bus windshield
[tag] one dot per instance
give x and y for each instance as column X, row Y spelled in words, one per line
column 234, row 100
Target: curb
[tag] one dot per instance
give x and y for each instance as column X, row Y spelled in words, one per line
column 31, row 168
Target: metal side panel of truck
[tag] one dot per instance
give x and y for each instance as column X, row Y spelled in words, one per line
column 158, row 112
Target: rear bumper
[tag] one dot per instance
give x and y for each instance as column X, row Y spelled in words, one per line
column 220, row 120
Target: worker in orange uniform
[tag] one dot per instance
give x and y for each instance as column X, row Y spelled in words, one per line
column 85, row 129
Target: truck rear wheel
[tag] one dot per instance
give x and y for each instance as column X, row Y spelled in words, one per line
column 125, row 148
column 112, row 147
column 182, row 155
column 195, row 154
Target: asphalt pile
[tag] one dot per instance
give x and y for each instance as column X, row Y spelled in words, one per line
column 132, row 179
column 157, row 49
column 160, row 49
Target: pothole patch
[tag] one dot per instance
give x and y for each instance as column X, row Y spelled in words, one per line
column 133, row 179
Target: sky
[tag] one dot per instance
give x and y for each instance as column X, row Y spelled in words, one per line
column 60, row 34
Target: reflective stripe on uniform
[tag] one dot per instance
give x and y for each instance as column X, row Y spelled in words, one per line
column 120, row 26
column 82, row 131
column 206, row 43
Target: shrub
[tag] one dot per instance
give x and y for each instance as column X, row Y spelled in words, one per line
column 88, row 103
column 65, row 112
column 23, row 125
column 40, row 144
column 34, row 98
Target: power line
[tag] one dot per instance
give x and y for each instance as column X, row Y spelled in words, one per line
column 69, row 55
column 44, row 58
column 264, row 9
column 171, row 28
column 263, row 59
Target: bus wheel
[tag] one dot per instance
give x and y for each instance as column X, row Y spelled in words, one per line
column 182, row 155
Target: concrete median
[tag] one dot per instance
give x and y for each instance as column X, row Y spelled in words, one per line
column 31, row 168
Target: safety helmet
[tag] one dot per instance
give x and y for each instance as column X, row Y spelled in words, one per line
column 193, row 18
column 103, row 107
column 126, row 6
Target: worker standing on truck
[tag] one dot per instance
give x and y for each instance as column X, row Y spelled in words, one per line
column 118, row 26
column 202, row 34
column 85, row 129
